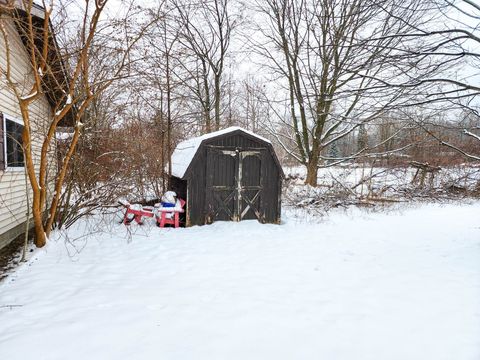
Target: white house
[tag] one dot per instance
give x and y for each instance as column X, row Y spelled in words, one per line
column 13, row 180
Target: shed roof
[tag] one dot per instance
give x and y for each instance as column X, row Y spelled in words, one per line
column 186, row 150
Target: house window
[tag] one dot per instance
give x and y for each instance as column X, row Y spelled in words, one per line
column 13, row 143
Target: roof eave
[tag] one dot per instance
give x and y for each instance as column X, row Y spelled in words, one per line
column 50, row 82
column 268, row 143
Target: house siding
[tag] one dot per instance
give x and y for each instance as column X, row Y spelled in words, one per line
column 13, row 199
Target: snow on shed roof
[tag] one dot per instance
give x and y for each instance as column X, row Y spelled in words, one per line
column 186, row 150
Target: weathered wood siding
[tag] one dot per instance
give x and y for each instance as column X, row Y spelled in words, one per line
column 197, row 177
column 180, row 187
column 13, row 203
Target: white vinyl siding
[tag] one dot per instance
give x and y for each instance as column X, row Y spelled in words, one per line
column 13, row 202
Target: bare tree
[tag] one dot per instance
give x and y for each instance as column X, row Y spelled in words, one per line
column 445, row 51
column 69, row 71
column 254, row 109
column 164, row 50
column 328, row 56
column 206, row 28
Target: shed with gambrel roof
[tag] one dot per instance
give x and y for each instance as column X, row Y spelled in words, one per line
column 231, row 174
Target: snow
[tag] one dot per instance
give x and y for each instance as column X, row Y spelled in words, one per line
column 393, row 183
column 68, row 101
column 29, row 96
column 357, row 285
column 469, row 133
column 186, row 150
column 64, row 135
column 178, row 207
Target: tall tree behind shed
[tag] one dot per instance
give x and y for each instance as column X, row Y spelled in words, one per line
column 327, row 58
column 206, row 29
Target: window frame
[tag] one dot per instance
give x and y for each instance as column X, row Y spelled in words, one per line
column 5, row 154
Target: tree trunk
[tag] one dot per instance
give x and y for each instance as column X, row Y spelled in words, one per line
column 312, row 164
column 208, row 102
column 312, row 171
column 40, row 236
column 169, row 121
column 217, row 102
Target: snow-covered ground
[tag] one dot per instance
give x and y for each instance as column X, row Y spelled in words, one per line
column 386, row 179
column 344, row 185
column 357, row 285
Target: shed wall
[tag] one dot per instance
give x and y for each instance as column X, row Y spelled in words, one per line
column 196, row 179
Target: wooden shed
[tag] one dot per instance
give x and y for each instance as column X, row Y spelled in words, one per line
column 231, row 174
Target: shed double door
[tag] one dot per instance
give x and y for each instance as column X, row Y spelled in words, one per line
column 235, row 184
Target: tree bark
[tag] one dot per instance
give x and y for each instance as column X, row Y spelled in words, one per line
column 217, row 102
column 312, row 172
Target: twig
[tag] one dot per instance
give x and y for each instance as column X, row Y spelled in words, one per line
column 10, row 306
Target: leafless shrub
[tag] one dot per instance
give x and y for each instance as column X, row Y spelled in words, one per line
column 376, row 187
